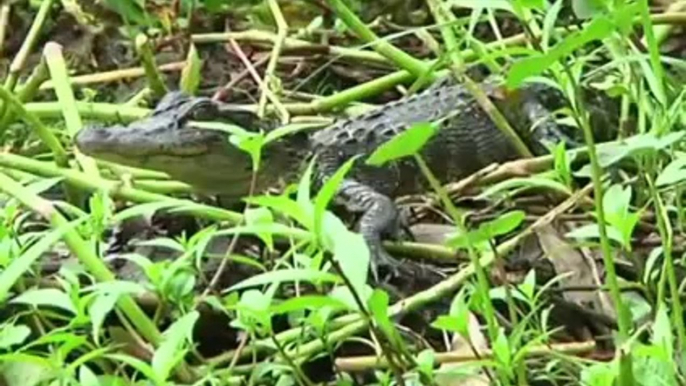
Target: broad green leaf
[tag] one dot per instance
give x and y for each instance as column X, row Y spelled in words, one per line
column 585, row 9
column 328, row 191
column 304, row 190
column 26, row 370
column 590, row 231
column 171, row 351
column 425, row 361
column 51, row 297
column 132, row 11
column 11, row 335
column 598, row 29
column 501, row 351
column 529, row 285
column 616, row 203
column 599, row 374
column 98, row 310
column 261, row 215
column 534, row 4
column 138, row 365
column 251, row 143
column 308, row 302
column 284, row 205
column 563, row 164
column 253, row 312
column 673, row 173
column 87, row 377
column 344, row 295
column 407, row 143
column 447, row 322
column 378, row 307
column 349, row 249
column 504, row 223
column 285, row 275
column 190, row 74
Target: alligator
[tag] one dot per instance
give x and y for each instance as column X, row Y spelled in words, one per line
column 466, row 141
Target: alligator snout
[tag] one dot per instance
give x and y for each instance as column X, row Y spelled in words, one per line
column 92, row 138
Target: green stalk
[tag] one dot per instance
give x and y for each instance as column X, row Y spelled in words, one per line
column 65, row 96
column 116, row 189
column 29, row 43
column 667, row 237
column 92, row 110
column 26, row 92
column 155, row 77
column 402, row 59
column 61, row 157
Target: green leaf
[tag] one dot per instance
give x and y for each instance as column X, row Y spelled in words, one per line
column 528, row 183
column 504, row 223
column 11, row 335
column 132, row 11
column 563, row 164
column 586, row 9
column 261, row 215
column 378, row 306
column 616, row 203
column 46, row 297
column 599, row 374
column 291, row 129
column 20, row 265
column 549, row 22
column 501, row 351
column 328, row 191
column 251, row 143
column 284, row 205
column 673, row 173
column 529, row 285
column 407, row 143
column 303, row 194
column 138, row 365
column 170, row 351
column 591, row 231
column 98, row 310
column 190, row 74
column 538, row 5
column 351, row 252
column 286, row 275
column 598, row 29
column 26, row 370
column 87, row 377
column 308, row 302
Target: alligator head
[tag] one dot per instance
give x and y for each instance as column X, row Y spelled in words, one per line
column 167, row 141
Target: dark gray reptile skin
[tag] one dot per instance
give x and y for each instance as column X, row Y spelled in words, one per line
column 466, row 142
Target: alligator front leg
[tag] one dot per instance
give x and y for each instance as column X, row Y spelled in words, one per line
column 380, row 217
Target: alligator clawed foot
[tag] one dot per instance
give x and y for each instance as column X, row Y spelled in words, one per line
column 381, row 260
